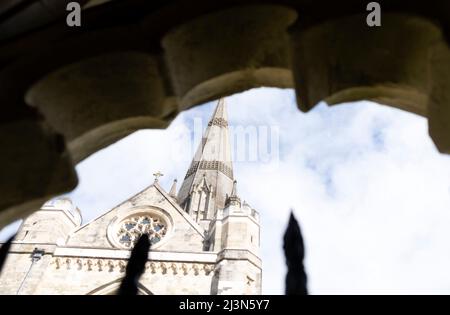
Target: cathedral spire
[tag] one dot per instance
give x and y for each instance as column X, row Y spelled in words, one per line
column 210, row 176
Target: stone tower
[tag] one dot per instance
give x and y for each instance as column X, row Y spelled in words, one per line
column 235, row 234
column 32, row 251
column 204, row 239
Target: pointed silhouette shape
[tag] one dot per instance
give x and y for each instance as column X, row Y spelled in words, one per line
column 135, row 267
column 173, row 189
column 4, row 251
column 296, row 279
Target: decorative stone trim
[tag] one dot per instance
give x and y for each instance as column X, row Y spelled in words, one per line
column 124, row 254
column 210, row 165
column 218, row 122
column 119, row 265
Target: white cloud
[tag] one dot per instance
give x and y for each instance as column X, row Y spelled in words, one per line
column 370, row 190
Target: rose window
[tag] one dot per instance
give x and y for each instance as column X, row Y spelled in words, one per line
column 132, row 228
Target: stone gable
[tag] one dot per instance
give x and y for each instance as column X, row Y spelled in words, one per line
column 185, row 233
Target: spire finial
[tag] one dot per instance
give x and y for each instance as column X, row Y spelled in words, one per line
column 173, row 190
column 157, row 175
column 234, row 190
column 233, row 199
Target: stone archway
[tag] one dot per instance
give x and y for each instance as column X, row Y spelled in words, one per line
column 171, row 55
column 111, row 288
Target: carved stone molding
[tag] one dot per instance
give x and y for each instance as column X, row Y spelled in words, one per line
column 119, row 265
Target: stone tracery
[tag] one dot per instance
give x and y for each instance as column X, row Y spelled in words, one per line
column 132, row 228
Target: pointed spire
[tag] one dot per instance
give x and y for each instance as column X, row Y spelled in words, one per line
column 233, row 199
column 212, row 162
column 157, row 176
column 173, row 190
column 219, row 116
column 234, row 190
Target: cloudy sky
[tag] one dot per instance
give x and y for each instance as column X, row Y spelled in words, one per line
column 370, row 190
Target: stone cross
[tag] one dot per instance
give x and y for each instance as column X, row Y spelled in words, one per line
column 157, row 175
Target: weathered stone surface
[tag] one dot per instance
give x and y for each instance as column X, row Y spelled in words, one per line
column 249, row 49
column 345, row 60
column 30, row 15
column 439, row 105
column 104, row 98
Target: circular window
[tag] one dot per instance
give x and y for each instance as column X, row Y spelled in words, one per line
column 125, row 230
column 133, row 227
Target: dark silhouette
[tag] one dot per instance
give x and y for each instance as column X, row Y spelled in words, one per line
column 294, row 251
column 4, row 251
column 135, row 266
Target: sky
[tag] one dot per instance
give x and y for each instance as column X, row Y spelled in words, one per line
column 365, row 181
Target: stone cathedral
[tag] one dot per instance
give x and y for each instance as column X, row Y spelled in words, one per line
column 204, row 239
